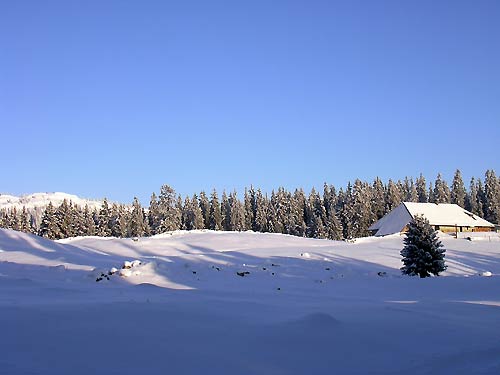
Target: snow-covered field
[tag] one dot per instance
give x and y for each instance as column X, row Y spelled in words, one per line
column 244, row 303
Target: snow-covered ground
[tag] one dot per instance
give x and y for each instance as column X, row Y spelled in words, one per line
column 247, row 303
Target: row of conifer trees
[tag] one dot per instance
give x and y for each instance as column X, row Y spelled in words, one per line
column 334, row 214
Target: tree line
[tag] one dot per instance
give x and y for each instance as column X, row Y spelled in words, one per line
column 334, row 214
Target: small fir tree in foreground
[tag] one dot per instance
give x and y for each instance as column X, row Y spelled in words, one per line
column 423, row 254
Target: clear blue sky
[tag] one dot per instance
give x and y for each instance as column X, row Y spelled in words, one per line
column 116, row 98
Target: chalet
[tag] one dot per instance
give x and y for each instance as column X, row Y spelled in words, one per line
column 444, row 217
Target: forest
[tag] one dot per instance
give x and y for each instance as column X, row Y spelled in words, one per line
column 336, row 214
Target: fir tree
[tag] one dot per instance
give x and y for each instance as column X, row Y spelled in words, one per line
column 249, row 203
column 104, row 220
column 136, row 223
column 393, row 196
column 215, row 212
column 154, row 216
column 237, row 213
column 260, row 212
column 421, row 187
column 362, row 216
column 225, row 207
column 492, row 197
column 458, row 193
column 441, row 191
column 48, row 226
column 205, row 210
column 170, row 210
column 88, row 224
column 422, row 254
column 378, row 198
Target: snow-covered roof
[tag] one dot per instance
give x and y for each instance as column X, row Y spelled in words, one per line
column 437, row 214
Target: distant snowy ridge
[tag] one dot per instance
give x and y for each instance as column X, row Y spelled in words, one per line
column 41, row 200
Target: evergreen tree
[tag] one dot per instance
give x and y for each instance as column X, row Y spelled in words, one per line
column 441, row 191
column 458, row 193
column 492, row 197
column 393, row 196
column 137, row 223
column 260, row 212
column 88, row 224
column 14, row 222
column 421, row 187
column 48, row 226
column 237, row 213
column 422, row 254
column 411, row 190
column 471, row 203
column 298, row 205
column 249, row 204
column 64, row 220
column 154, row 215
column 205, row 210
column 378, row 198
column 170, row 210
column 225, row 208
column 481, row 198
column 104, row 220
column 25, row 221
column 215, row 212
column 362, row 216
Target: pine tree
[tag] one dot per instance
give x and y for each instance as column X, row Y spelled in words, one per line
column 154, row 215
column 458, row 193
column 378, row 198
column 25, row 221
column 225, row 208
column 471, row 199
column 249, row 204
column 215, row 212
column 48, row 226
column 421, row 187
column 104, row 220
column 170, row 210
column 362, row 216
column 88, row 225
column 441, row 191
column 14, row 222
column 260, row 212
column 205, row 210
column 492, row 197
column 422, row 254
column 298, row 203
column 393, row 196
column 136, row 223
column 237, row 213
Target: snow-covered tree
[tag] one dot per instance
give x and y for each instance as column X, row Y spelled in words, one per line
column 48, row 226
column 441, row 191
column 136, row 222
column 170, row 210
column 492, row 197
column 215, row 212
column 237, row 213
column 261, row 217
column 154, row 215
column 421, row 187
column 104, row 220
column 423, row 254
column 205, row 210
column 458, row 193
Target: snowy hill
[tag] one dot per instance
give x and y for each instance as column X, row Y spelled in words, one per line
column 41, row 200
column 225, row 302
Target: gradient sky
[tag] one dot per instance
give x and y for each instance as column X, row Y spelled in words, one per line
column 115, row 98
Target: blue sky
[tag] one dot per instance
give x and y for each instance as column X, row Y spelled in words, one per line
column 116, row 98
